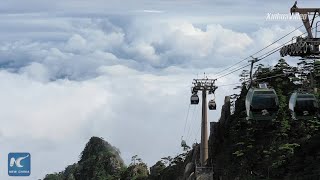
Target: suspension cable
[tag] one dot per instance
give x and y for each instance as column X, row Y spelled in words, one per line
column 186, row 121
column 269, row 53
column 265, row 55
column 259, row 50
column 192, row 123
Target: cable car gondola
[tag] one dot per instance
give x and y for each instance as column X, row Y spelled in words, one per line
column 261, row 104
column 212, row 105
column 194, row 99
column 303, row 106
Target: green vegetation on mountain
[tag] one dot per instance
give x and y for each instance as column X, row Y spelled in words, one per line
column 99, row 161
column 279, row 149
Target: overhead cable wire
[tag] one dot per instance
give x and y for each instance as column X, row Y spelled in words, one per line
column 186, row 121
column 265, row 55
column 192, row 123
column 235, row 70
column 187, row 135
column 258, row 51
column 269, row 52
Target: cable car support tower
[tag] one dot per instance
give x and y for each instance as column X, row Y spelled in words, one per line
column 203, row 85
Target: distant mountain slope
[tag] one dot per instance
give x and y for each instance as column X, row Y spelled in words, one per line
column 99, row 160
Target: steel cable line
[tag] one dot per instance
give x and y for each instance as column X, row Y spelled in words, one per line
column 242, row 67
column 276, row 49
column 265, row 55
column 234, row 70
column 191, row 124
column 186, row 121
column 259, row 59
column 195, row 131
column 187, row 135
column 259, row 50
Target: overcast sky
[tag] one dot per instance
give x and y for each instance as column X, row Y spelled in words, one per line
column 120, row 70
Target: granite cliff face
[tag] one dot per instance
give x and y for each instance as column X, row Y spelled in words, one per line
column 101, row 161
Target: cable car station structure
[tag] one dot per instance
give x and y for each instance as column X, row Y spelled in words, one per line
column 307, row 47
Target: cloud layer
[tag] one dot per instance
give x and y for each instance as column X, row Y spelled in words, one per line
column 92, row 43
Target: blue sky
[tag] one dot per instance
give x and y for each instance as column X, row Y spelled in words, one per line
column 120, row 70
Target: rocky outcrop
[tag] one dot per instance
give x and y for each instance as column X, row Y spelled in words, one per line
column 189, row 169
column 218, row 138
column 98, row 160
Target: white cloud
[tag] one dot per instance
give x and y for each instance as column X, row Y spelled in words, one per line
column 152, row 11
column 118, row 70
column 76, row 43
column 36, row 71
column 203, row 43
column 40, row 106
column 266, row 36
column 99, row 43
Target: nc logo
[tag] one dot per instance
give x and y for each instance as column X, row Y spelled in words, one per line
column 19, row 164
column 17, row 161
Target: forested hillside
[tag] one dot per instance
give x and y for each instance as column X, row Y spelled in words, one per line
column 277, row 149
